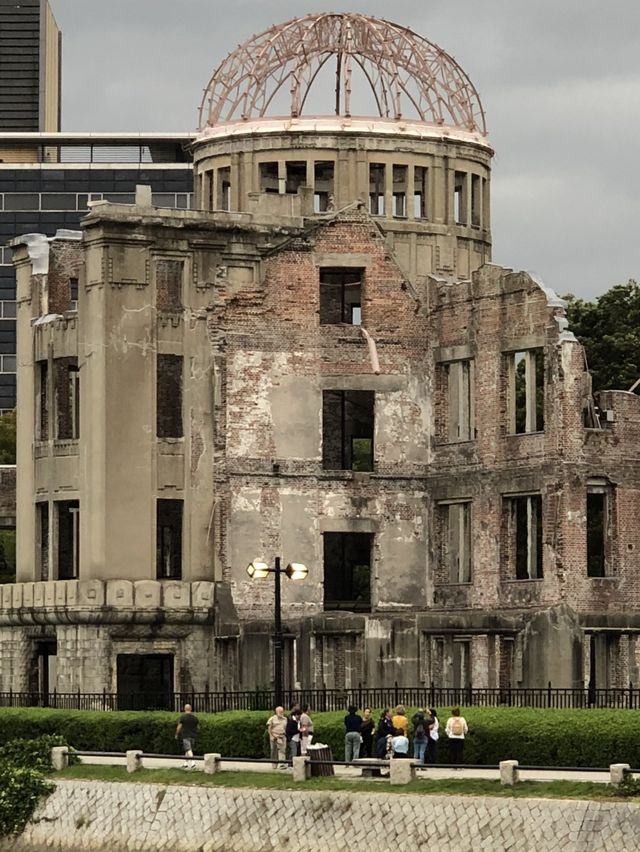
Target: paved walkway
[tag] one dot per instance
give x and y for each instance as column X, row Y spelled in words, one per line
column 349, row 772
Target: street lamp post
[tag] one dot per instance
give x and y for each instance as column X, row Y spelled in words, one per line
column 257, row 570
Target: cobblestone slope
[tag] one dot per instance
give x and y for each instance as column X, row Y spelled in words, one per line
column 100, row 816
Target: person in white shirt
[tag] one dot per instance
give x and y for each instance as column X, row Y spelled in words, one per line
column 456, row 730
column 400, row 744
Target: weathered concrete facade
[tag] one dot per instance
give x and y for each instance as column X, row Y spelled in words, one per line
column 321, row 363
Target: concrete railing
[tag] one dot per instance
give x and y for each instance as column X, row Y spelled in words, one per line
column 400, row 771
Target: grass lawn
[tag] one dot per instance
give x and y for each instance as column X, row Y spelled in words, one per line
column 258, row 780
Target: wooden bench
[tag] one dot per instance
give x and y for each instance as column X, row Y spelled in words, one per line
column 371, row 766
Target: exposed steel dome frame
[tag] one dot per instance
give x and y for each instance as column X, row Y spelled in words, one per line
column 402, row 69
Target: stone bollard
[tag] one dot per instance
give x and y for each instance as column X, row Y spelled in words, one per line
column 617, row 771
column 401, row 771
column 509, row 775
column 211, row 763
column 134, row 760
column 59, row 757
column 301, row 768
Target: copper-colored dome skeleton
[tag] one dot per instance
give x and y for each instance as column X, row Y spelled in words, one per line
column 409, row 77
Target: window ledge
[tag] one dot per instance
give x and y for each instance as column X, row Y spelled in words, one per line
column 65, row 447
column 460, row 443
column 523, row 434
column 517, row 582
column 606, row 579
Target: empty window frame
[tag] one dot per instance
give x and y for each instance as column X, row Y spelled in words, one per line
column 420, row 192
column 169, row 396
column 376, row 188
column 223, row 183
column 525, row 536
column 42, row 539
column 461, row 660
column 169, row 539
column 458, row 377
column 347, row 571
column 323, row 172
column 269, row 181
column 42, row 400
column 599, row 510
column 296, row 176
column 456, row 543
column 206, row 202
column 460, row 198
column 73, row 294
column 340, row 296
column 347, row 430
column 68, row 517
column 476, row 200
column 169, row 274
column 67, row 398
column 399, row 197
column 526, row 391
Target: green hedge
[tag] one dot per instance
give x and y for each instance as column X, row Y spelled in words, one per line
column 533, row 737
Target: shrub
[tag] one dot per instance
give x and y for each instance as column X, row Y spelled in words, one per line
column 629, row 786
column 533, row 737
column 20, row 790
column 31, row 754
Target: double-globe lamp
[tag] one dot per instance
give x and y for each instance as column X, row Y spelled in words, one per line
column 258, row 570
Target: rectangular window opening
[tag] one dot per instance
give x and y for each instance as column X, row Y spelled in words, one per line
column 527, row 391
column 347, row 430
column 67, row 398
column 420, row 196
column 476, row 200
column 347, row 571
column 296, row 176
column 269, row 177
column 598, row 532
column 73, row 294
column 341, row 296
column 526, row 520
column 42, row 401
column 68, row 539
column 458, row 542
column 460, row 198
column 169, row 396
column 400, row 191
column 169, row 539
column 42, row 532
column 323, row 171
column 169, row 275
column 224, row 189
column 459, row 403
column 376, row 189
column 461, row 663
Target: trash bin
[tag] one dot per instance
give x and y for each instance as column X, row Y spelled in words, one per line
column 316, row 754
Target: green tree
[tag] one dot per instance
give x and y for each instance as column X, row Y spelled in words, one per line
column 8, row 438
column 609, row 330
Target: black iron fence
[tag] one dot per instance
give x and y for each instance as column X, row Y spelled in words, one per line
column 333, row 699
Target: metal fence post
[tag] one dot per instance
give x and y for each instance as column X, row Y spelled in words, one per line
column 395, row 694
column 549, row 694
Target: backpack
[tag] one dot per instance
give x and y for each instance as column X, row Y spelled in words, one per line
column 418, row 731
column 457, row 728
column 292, row 727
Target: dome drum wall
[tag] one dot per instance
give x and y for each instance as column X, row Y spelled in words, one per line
column 430, row 192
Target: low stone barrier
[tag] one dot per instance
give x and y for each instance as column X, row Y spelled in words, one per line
column 84, row 815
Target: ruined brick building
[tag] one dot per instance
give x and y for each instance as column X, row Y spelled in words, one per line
column 320, row 363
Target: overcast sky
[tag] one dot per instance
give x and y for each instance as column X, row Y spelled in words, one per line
column 559, row 81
